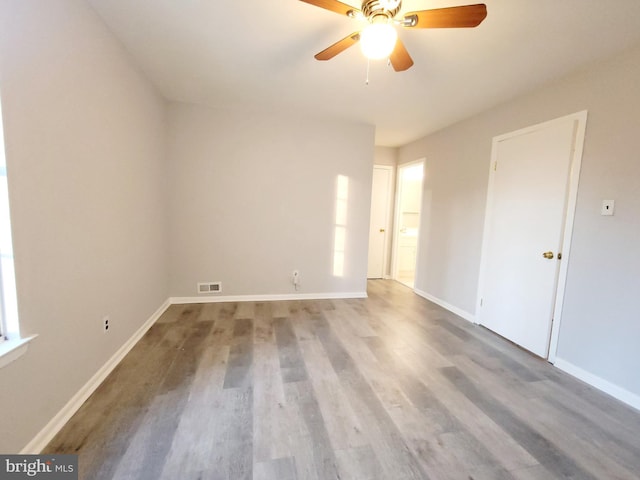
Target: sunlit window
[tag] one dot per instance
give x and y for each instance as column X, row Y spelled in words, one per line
column 340, row 235
column 8, row 304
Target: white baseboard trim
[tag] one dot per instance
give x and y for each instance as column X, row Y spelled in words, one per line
column 447, row 306
column 267, row 298
column 615, row 391
column 40, row 441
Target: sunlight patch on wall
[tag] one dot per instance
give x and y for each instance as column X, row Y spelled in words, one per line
column 340, row 228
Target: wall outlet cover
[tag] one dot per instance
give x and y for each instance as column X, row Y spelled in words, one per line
column 608, row 207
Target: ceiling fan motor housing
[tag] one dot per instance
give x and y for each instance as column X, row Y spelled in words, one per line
column 380, row 8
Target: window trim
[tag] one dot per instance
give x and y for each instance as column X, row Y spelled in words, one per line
column 11, row 350
column 12, row 344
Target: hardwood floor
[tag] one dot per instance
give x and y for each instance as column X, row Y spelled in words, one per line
column 391, row 387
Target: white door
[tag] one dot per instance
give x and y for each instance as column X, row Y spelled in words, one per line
column 524, row 230
column 378, row 226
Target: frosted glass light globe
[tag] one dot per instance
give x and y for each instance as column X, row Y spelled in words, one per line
column 378, row 40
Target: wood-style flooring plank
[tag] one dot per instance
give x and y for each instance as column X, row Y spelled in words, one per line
column 291, row 363
column 270, row 440
column 279, row 469
column 343, row 426
column 359, row 463
column 241, row 355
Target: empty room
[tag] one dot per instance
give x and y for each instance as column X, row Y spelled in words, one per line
column 313, row 239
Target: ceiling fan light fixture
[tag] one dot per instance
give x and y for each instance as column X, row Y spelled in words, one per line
column 378, row 40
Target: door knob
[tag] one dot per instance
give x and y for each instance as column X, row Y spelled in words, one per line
column 382, row 230
column 548, row 255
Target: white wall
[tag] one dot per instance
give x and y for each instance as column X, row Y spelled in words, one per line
column 386, row 156
column 600, row 327
column 452, row 215
column 253, row 197
column 85, row 152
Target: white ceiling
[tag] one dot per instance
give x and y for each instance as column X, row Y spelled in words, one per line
column 258, row 54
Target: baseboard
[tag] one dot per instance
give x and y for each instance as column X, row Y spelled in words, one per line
column 447, row 306
column 40, row 441
column 615, row 391
column 267, row 298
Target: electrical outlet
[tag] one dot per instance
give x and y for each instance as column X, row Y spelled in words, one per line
column 106, row 324
column 608, row 207
column 295, row 279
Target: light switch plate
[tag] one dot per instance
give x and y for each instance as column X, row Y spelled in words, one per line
column 608, row 207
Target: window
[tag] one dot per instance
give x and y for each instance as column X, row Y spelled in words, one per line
column 12, row 344
column 9, row 329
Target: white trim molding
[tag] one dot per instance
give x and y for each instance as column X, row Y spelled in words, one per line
column 267, row 298
column 40, row 441
column 11, row 350
column 581, row 119
column 595, row 381
column 470, row 317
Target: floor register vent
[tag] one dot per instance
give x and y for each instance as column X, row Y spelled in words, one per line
column 210, row 287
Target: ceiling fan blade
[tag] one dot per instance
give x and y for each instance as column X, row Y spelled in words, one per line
column 453, row 17
column 334, row 6
column 400, row 58
column 338, row 47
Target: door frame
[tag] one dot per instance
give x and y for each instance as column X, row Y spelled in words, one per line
column 572, row 196
column 388, row 220
column 396, row 218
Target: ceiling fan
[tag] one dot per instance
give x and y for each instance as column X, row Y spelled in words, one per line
column 380, row 39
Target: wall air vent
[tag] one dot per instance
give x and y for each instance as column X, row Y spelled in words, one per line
column 209, row 287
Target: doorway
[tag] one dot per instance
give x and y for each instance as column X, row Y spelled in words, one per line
column 407, row 222
column 379, row 231
column 531, row 200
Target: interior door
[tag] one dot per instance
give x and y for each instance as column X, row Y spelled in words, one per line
column 378, row 226
column 526, row 213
